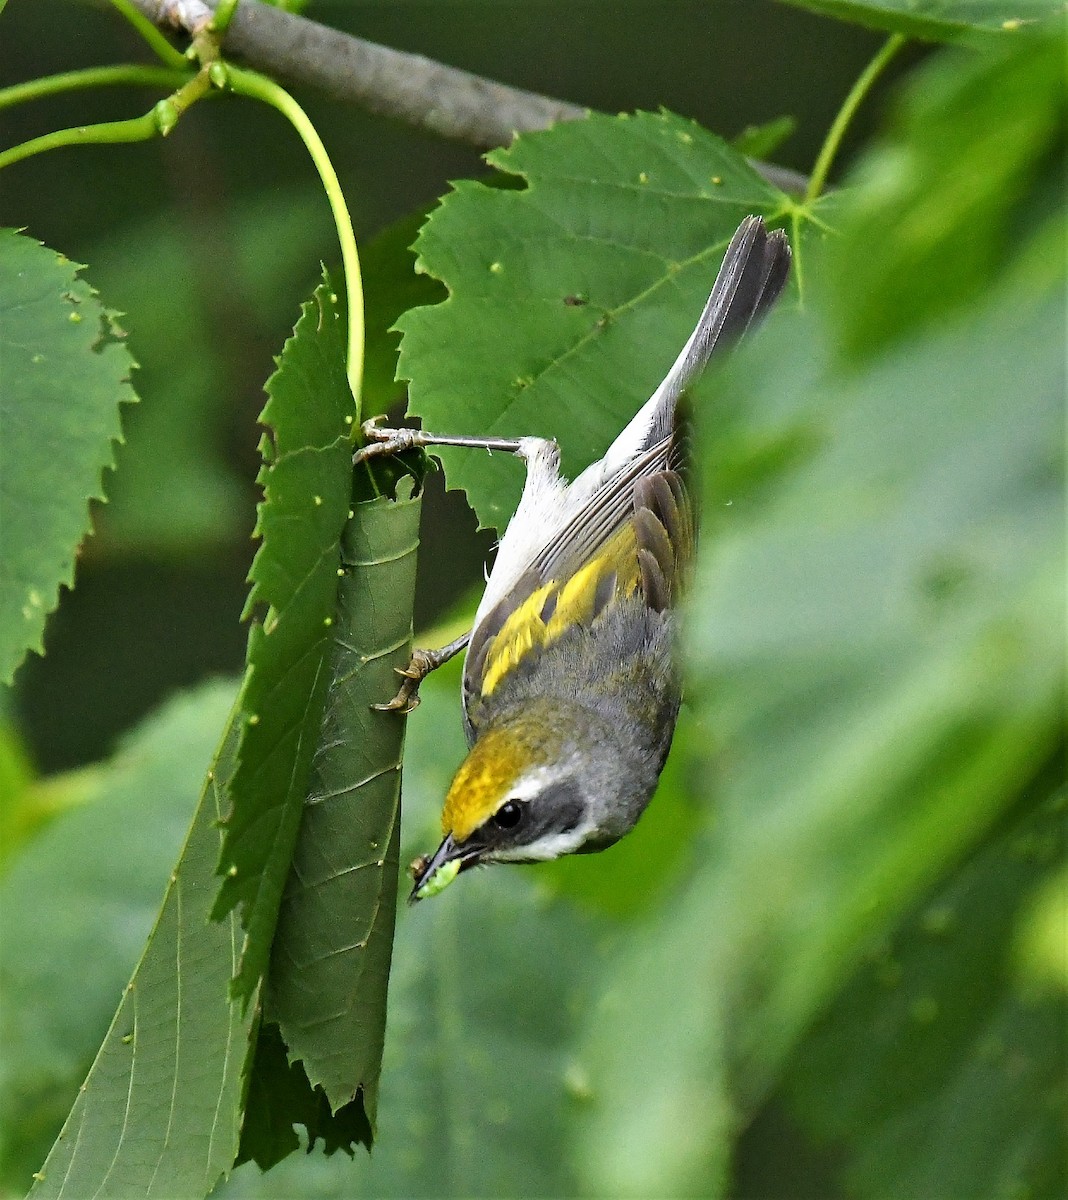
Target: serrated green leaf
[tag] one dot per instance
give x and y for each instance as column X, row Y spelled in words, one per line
column 569, row 299
column 957, row 1093
column 969, row 177
column 307, row 481
column 942, row 20
column 160, row 1111
column 330, row 960
column 489, row 983
column 280, row 1097
column 65, row 374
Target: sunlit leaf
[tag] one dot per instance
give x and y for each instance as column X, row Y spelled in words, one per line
column 957, row 1093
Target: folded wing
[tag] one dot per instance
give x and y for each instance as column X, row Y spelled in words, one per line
column 625, row 525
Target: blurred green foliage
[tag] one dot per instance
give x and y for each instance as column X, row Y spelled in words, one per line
column 943, row 20
column 78, row 903
column 830, row 960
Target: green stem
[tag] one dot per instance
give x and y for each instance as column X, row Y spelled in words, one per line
column 845, row 114
column 248, row 83
column 224, row 14
column 159, row 121
column 166, row 52
column 69, row 81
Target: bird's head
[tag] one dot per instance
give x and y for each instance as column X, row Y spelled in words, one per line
column 521, row 795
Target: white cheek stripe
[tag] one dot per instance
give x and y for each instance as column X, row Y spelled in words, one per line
column 550, row 846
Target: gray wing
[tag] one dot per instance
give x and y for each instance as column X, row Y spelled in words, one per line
column 641, row 478
column 750, row 279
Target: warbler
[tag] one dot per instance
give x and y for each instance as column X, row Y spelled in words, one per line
column 571, row 689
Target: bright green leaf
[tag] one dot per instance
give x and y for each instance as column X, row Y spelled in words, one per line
column 65, row 374
column 20, row 814
column 569, row 299
column 874, row 660
column 942, row 20
column 958, row 1092
column 970, row 177
column 159, row 1113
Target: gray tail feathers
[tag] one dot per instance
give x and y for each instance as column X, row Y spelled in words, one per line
column 754, row 272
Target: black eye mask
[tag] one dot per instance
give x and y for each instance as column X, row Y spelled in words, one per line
column 558, row 809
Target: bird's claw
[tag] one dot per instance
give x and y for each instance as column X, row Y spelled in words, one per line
column 405, row 701
column 373, row 429
column 407, row 698
column 381, row 441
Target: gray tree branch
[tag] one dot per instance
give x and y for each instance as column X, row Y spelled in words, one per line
column 392, row 83
column 409, row 87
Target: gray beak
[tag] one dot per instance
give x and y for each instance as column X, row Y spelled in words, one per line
column 435, row 874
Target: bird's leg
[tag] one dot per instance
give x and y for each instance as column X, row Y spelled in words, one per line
column 381, row 441
column 421, row 663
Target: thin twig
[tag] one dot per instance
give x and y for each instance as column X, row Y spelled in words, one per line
column 407, row 87
column 848, row 110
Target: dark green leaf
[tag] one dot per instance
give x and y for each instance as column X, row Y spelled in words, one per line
column 182, row 295
column 280, row 1097
column 569, row 299
column 66, row 372
column 159, row 1113
column 330, row 961
column 958, row 1092
column 942, row 20
column 490, row 982
column 392, row 286
column 307, row 491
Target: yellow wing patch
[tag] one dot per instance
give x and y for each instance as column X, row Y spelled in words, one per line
column 528, row 628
